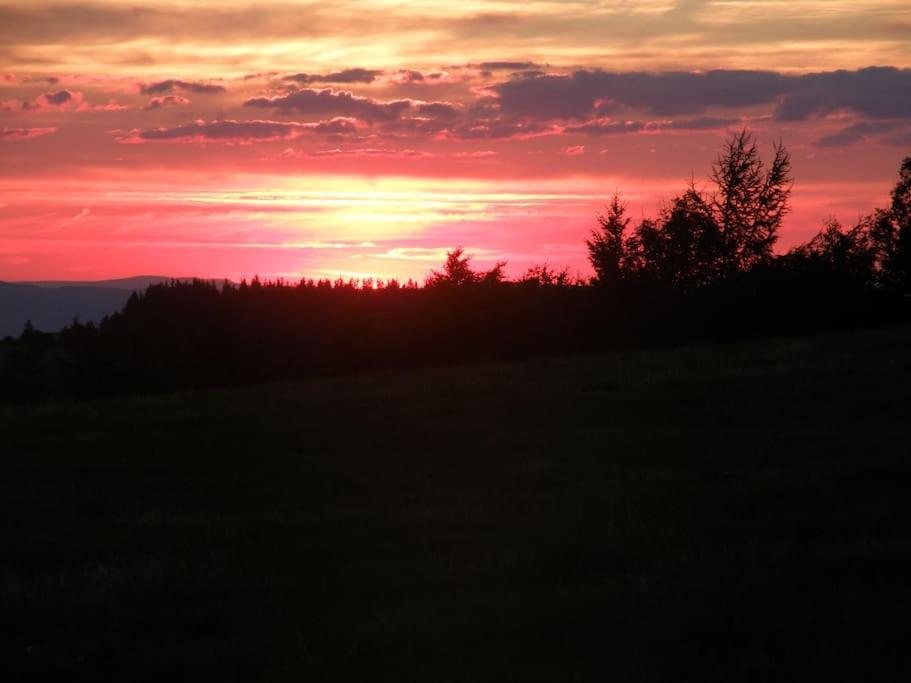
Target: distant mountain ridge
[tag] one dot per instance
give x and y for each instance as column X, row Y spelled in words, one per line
column 53, row 304
column 136, row 283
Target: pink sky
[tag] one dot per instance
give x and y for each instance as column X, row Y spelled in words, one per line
column 367, row 138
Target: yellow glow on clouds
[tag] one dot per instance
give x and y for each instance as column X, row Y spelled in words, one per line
column 230, row 39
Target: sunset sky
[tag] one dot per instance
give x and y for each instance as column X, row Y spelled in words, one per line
column 289, row 139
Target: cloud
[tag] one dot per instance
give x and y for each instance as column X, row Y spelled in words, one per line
column 492, row 130
column 356, row 75
column 416, row 127
column 172, row 84
column 478, row 154
column 439, row 110
column 111, row 105
column 857, row 132
column 57, row 100
column 166, row 101
column 237, row 132
column 508, row 66
column 259, row 75
column 359, row 75
column 574, row 151
column 583, row 93
column 337, row 126
column 409, row 76
column 430, row 254
column 899, row 139
column 701, row 123
column 876, row 92
column 60, row 99
column 372, row 152
column 548, row 97
column 608, row 127
column 19, row 134
column 385, row 152
column 328, row 101
column 115, row 35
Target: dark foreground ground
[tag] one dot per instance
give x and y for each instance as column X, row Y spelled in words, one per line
column 732, row 513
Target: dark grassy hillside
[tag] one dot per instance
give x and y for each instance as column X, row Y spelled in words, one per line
column 730, row 513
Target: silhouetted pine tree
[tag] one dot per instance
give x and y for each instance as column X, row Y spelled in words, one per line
column 750, row 201
column 607, row 244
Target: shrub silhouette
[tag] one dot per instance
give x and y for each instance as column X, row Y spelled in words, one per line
column 457, row 272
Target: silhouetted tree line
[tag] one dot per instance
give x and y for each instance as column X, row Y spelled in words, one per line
column 703, row 269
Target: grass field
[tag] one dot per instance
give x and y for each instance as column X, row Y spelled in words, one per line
column 729, row 513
